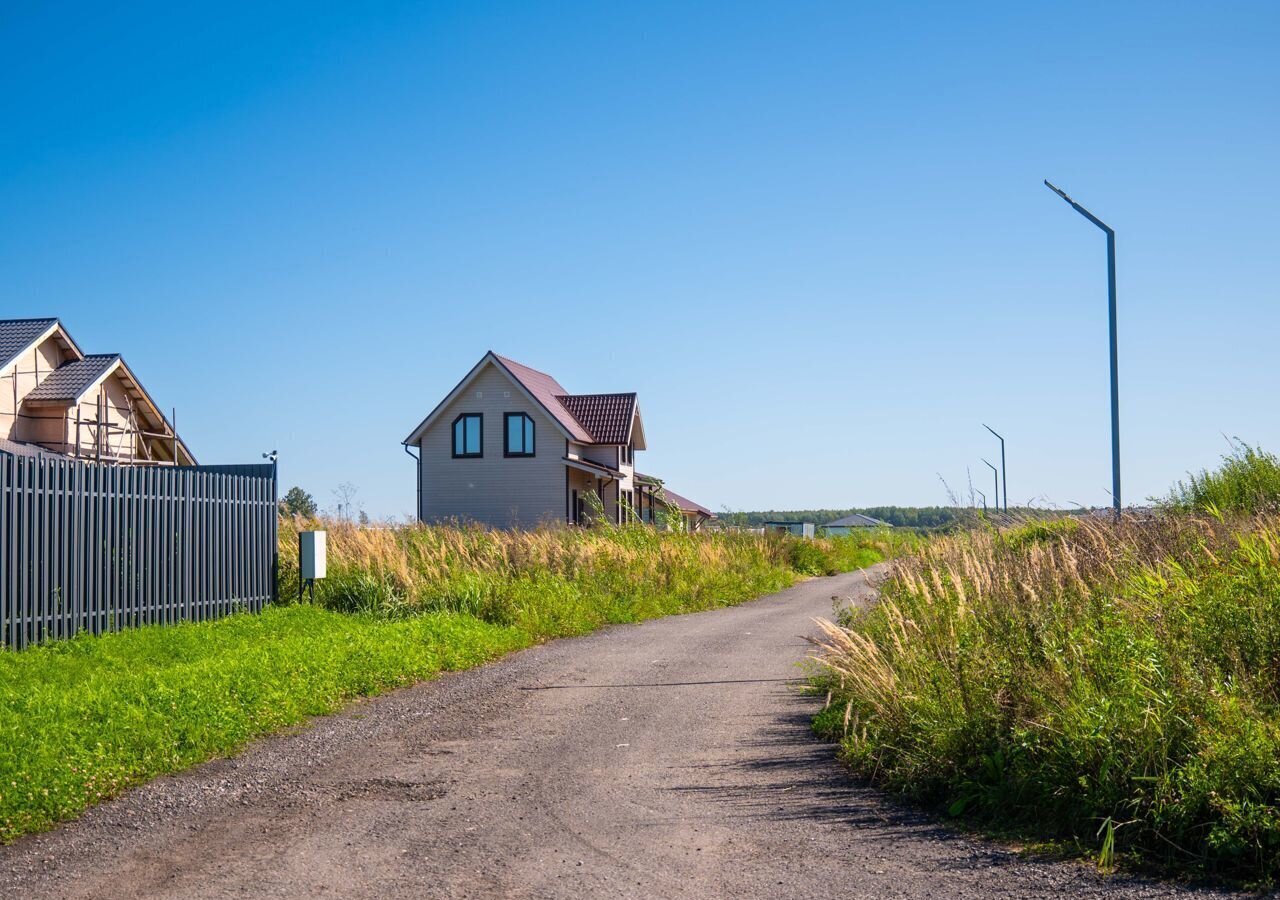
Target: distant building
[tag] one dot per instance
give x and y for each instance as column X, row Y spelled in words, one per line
column 852, row 523
column 799, row 529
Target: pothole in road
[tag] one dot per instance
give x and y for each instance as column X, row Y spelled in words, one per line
column 392, row 789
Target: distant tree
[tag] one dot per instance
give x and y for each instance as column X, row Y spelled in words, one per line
column 297, row 502
column 346, row 496
column 363, row 518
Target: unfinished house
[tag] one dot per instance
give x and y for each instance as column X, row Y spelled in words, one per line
column 56, row 399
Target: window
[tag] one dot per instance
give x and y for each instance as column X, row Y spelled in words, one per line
column 519, row 434
column 468, row 436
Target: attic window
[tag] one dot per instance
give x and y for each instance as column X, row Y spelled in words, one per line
column 518, row 429
column 468, row 436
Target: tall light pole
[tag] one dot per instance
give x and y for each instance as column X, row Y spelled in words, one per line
column 1115, row 354
column 1004, row 473
column 984, row 500
column 995, row 473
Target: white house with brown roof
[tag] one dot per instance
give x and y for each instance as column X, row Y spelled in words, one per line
column 510, row 447
column 56, row 399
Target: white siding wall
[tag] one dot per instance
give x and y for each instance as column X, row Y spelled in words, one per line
column 495, row 490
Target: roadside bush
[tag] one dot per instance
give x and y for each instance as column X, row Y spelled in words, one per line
column 1247, row 482
column 1114, row 686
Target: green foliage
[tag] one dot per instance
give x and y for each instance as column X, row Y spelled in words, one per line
column 898, row 516
column 297, row 502
column 84, row 719
column 1111, row 685
column 919, row 518
column 1248, row 481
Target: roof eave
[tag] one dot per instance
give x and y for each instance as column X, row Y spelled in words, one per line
column 490, row 357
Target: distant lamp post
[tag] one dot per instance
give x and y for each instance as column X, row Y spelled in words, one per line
column 1115, row 354
column 984, row 500
column 1004, row 473
column 995, row 473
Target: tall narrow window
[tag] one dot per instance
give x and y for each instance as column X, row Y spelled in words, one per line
column 468, row 436
column 519, row 431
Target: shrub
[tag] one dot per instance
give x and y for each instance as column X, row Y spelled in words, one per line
column 1112, row 685
column 1247, row 482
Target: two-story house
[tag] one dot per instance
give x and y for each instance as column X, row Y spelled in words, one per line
column 55, row 398
column 510, row 447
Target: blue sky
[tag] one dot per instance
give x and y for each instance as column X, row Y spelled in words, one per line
column 813, row 237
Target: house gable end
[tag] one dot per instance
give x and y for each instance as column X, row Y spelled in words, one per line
column 489, row 359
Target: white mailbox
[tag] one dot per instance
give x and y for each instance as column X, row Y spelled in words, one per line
column 311, row 555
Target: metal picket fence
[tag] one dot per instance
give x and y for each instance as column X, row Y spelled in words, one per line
column 88, row 547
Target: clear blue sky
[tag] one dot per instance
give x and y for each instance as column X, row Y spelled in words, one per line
column 813, row 237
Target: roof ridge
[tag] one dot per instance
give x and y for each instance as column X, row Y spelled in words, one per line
column 603, row 394
column 29, row 319
column 516, row 362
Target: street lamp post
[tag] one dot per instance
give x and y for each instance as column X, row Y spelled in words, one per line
column 1004, row 473
column 995, row 473
column 984, row 500
column 1115, row 354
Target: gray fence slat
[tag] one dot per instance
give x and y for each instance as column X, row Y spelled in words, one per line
column 94, row 547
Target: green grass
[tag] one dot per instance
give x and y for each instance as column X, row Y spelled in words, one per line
column 82, row 720
column 1110, row 687
column 1248, row 481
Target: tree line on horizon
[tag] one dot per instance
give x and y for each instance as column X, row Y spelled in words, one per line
column 930, row 517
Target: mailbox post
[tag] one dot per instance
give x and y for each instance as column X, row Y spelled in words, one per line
column 311, row 559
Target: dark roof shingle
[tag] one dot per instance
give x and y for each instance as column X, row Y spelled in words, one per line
column 69, row 380
column 17, row 335
column 22, row 448
column 606, row 417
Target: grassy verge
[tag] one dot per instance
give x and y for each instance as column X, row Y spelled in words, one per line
column 82, row 720
column 1115, row 687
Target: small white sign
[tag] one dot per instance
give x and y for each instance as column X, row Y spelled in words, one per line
column 311, row 554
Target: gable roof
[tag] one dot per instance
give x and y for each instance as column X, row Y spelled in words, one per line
column 857, row 520
column 17, row 335
column 547, row 391
column 70, row 380
column 607, row 417
column 585, row 418
column 684, row 504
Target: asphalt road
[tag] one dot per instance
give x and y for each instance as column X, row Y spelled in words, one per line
column 667, row 759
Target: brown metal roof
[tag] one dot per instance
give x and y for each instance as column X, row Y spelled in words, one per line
column 547, row 391
column 585, row 418
column 592, row 466
column 71, row 379
column 607, row 417
column 684, row 504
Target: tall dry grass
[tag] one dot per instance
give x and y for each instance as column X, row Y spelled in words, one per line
column 555, row 581
column 1114, row 685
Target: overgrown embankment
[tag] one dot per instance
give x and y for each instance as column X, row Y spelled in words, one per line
column 1113, row 686
column 84, row 719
